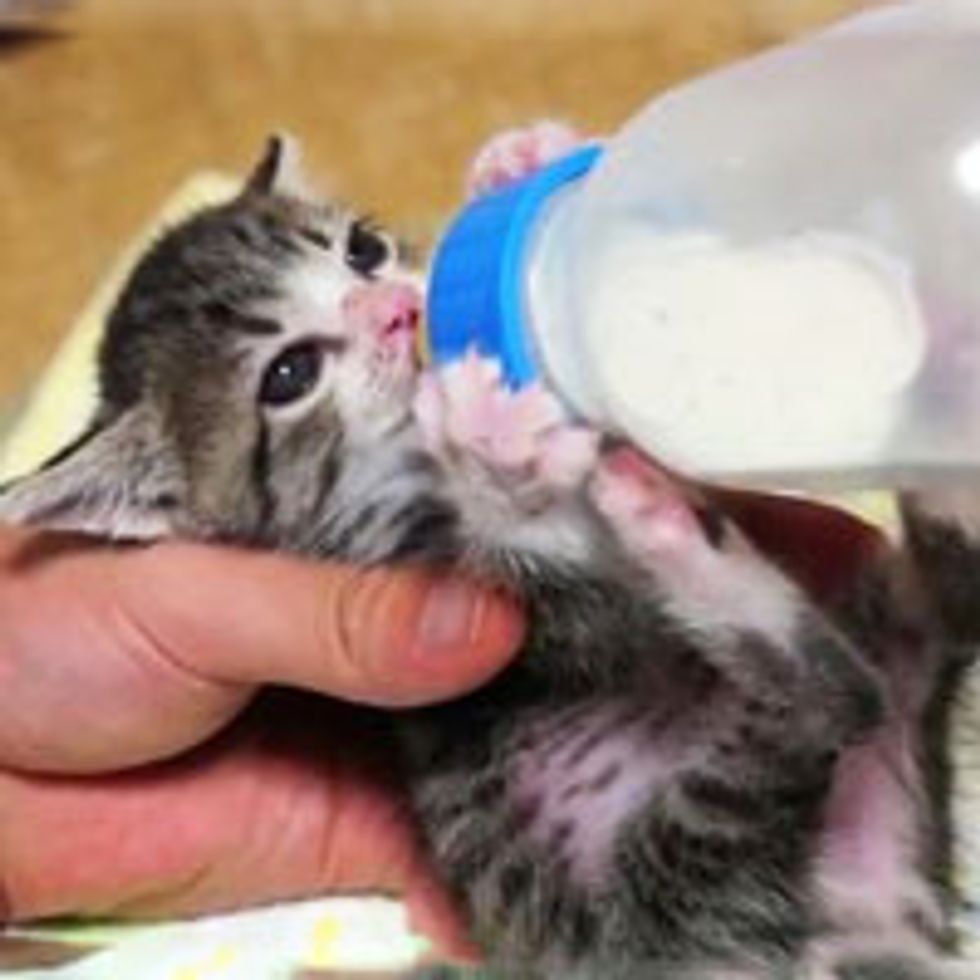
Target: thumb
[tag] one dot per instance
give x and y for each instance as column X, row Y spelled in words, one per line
column 382, row 636
column 110, row 657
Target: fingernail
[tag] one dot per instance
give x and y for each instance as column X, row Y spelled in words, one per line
column 451, row 617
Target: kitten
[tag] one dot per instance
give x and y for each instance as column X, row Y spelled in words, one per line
column 691, row 771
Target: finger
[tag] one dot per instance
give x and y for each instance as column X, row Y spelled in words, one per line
column 82, row 686
column 263, row 814
column 391, row 637
column 114, row 657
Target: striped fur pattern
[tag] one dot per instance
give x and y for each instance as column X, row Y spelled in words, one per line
column 690, row 771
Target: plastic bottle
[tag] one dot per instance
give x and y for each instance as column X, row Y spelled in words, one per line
column 770, row 274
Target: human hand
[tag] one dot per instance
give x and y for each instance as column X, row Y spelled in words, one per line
column 139, row 773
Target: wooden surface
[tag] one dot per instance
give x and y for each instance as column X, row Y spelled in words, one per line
column 100, row 120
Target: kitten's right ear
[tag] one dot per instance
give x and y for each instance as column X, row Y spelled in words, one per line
column 280, row 171
column 114, row 481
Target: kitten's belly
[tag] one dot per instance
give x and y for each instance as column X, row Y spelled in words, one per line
column 567, row 834
column 556, row 783
column 578, row 777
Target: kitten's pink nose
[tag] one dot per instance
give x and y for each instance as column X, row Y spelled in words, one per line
column 388, row 309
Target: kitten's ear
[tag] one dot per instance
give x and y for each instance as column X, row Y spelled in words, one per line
column 280, row 171
column 115, row 480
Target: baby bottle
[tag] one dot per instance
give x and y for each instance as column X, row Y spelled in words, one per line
column 770, row 274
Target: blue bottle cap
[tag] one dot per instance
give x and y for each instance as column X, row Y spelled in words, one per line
column 476, row 288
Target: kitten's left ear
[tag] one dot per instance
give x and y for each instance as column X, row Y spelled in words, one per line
column 280, row 171
column 117, row 480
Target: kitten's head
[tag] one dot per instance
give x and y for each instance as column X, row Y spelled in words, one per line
column 252, row 345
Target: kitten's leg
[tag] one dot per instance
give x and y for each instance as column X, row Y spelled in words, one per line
column 516, row 470
column 512, row 463
column 886, row 826
column 516, row 153
column 753, row 622
column 942, row 531
column 794, row 693
column 709, row 575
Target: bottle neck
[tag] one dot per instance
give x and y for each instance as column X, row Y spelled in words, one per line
column 478, row 292
column 553, row 308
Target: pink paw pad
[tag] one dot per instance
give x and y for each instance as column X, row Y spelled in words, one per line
column 516, row 153
column 647, row 508
column 466, row 406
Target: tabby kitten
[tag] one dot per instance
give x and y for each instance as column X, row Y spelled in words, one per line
column 691, row 771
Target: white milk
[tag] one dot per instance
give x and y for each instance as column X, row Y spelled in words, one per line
column 728, row 358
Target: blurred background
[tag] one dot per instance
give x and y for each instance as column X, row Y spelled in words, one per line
column 106, row 106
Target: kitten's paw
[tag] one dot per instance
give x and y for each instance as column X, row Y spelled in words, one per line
column 466, row 408
column 711, row 577
column 515, row 153
column 649, row 511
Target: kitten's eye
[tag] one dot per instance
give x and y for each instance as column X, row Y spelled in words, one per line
column 366, row 249
column 292, row 374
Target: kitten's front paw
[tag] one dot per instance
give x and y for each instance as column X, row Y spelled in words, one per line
column 515, row 153
column 650, row 512
column 707, row 571
column 466, row 409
